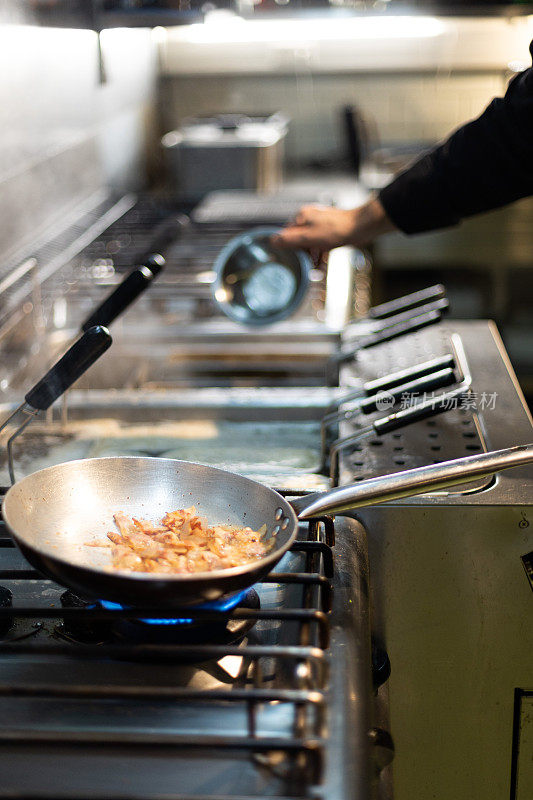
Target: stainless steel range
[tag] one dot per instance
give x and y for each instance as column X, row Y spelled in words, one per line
column 237, row 703
column 242, row 701
column 273, row 697
column 450, row 591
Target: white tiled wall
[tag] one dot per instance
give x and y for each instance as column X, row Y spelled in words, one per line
column 412, row 87
column 401, row 106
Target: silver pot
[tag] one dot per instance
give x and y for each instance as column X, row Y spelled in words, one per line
column 258, row 283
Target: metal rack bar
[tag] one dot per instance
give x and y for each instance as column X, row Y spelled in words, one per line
column 305, row 580
column 311, row 748
column 152, row 739
column 129, row 692
column 155, row 652
column 303, row 616
column 133, row 794
column 317, row 547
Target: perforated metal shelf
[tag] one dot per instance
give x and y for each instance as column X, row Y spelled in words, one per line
column 457, row 432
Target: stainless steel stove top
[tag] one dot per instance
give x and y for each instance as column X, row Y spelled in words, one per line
column 286, row 712
column 91, row 710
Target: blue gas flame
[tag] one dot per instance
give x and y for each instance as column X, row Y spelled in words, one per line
column 226, row 604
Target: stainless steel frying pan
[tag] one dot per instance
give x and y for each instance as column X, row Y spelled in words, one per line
column 54, row 515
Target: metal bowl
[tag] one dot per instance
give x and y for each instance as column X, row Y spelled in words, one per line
column 258, row 283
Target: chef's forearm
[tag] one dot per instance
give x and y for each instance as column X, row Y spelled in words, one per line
column 369, row 221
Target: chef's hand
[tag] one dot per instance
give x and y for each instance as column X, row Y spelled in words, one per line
column 318, row 228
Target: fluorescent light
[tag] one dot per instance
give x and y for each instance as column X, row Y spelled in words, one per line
column 224, row 27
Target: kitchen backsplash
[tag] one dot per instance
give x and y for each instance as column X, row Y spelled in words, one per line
column 399, row 107
column 413, row 78
column 72, row 124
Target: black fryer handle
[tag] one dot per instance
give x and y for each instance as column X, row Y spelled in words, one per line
column 126, row 292
column 436, row 380
column 420, row 411
column 407, row 301
column 78, row 358
column 386, row 325
column 391, row 332
column 388, row 334
column 155, row 263
column 442, row 305
column 412, row 373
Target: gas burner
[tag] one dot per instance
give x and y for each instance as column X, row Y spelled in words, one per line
column 188, row 630
column 87, row 629
column 182, row 630
column 6, row 599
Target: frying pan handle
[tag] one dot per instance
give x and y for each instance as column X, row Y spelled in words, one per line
column 435, row 380
column 78, row 358
column 407, row 301
column 411, row 482
column 126, row 292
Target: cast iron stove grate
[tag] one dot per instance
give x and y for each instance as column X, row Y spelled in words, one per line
column 255, row 708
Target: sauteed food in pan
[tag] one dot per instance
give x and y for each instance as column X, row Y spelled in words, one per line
column 78, row 499
column 182, row 542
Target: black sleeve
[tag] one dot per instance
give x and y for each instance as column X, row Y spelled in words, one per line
column 485, row 164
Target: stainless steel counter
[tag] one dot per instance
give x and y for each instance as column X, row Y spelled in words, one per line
column 450, row 596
